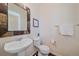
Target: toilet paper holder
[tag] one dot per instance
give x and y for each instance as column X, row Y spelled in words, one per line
column 53, row 42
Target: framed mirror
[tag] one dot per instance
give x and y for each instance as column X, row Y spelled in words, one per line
column 14, row 19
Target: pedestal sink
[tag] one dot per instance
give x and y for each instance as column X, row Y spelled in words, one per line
column 18, row 46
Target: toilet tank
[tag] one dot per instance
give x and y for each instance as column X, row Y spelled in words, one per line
column 36, row 41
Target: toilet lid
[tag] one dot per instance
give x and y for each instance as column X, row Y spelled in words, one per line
column 44, row 49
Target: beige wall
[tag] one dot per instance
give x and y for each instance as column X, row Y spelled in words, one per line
column 54, row 15
column 51, row 15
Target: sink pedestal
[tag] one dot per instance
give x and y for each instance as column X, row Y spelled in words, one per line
column 22, row 53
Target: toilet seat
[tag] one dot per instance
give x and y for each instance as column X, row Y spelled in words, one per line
column 44, row 49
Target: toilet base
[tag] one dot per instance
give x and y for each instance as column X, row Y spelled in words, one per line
column 40, row 54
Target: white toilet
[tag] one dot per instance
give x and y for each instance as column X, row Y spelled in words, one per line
column 43, row 50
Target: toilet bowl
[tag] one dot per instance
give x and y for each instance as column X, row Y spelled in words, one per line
column 43, row 50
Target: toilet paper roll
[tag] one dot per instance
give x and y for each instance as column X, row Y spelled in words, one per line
column 53, row 42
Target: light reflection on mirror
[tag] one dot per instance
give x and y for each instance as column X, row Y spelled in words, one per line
column 17, row 18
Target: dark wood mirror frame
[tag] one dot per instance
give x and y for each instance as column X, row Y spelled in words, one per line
column 4, row 29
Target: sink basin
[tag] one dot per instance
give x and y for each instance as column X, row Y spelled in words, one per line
column 17, row 46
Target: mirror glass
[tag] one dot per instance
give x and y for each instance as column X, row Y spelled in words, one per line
column 17, row 18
